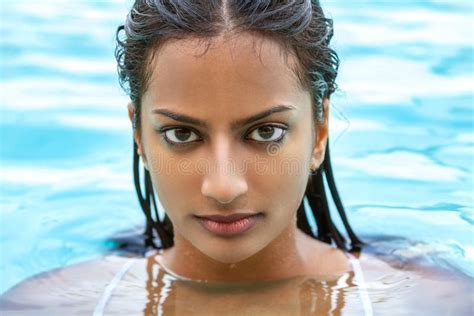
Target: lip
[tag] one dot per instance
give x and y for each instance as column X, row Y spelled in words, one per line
column 229, row 225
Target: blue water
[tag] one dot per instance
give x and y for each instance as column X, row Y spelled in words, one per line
column 401, row 130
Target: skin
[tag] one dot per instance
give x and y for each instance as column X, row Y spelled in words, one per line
column 224, row 169
column 408, row 287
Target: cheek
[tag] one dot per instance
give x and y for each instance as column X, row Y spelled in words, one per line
column 170, row 176
column 283, row 183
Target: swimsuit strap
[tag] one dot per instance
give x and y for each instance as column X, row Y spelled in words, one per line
column 99, row 309
column 362, row 286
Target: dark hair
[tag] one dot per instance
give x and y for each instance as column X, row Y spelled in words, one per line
column 298, row 25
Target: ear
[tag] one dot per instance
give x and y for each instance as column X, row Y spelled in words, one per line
column 321, row 136
column 136, row 134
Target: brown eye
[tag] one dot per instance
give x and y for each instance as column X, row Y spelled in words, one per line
column 180, row 135
column 267, row 133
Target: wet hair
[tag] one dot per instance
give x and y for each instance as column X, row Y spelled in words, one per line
column 302, row 30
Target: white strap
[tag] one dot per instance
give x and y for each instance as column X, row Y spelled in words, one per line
column 362, row 286
column 99, row 309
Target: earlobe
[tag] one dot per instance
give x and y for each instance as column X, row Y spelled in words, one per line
column 145, row 163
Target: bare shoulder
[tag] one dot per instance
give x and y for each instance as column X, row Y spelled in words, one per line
column 375, row 267
column 418, row 285
column 326, row 259
column 75, row 284
column 333, row 260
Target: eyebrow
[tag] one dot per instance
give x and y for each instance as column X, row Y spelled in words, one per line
column 236, row 124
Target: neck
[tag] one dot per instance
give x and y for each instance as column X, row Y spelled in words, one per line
column 282, row 258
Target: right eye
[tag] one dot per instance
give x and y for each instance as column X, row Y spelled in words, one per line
column 179, row 136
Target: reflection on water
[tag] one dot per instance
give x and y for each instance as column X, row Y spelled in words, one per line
column 152, row 290
column 116, row 285
column 297, row 296
column 385, row 290
column 401, row 134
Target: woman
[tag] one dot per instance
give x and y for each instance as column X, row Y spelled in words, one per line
column 229, row 108
column 230, row 105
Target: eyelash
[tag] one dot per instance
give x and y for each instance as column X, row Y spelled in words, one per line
column 188, row 143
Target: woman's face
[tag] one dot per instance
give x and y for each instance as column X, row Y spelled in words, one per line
column 210, row 152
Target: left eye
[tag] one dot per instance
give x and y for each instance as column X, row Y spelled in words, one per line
column 267, row 133
column 180, row 135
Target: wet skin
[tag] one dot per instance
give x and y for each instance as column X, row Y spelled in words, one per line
column 146, row 289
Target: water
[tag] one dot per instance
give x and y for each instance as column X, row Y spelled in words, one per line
column 401, row 130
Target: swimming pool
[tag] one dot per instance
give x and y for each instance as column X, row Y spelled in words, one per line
column 401, row 131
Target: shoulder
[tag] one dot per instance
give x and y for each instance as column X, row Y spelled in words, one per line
column 419, row 285
column 333, row 260
column 325, row 259
column 80, row 284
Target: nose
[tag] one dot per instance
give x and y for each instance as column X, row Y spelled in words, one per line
column 223, row 182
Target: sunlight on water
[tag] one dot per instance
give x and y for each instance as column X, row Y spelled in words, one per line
column 401, row 130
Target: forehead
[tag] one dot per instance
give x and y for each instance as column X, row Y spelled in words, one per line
column 237, row 72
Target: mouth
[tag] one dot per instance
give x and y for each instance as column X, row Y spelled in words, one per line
column 229, row 225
